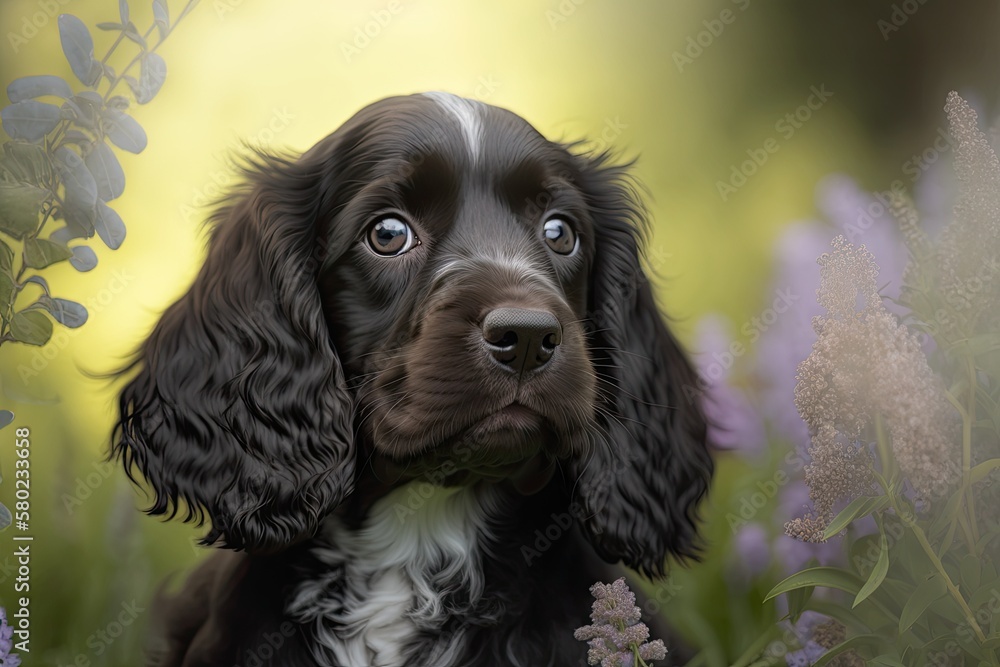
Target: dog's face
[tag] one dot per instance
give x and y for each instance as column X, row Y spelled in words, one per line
column 455, row 286
column 435, row 281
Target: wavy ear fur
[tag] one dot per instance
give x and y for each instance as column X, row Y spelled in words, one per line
column 239, row 410
column 650, row 466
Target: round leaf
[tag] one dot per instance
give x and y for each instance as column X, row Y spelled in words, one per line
column 161, row 16
column 84, row 258
column 64, row 235
column 109, row 226
column 39, row 253
column 19, row 206
column 107, row 172
column 124, row 131
column 151, row 78
column 28, row 87
column 30, row 120
column 78, row 46
column 6, row 417
column 67, row 313
column 38, row 280
column 5, row 517
column 31, row 327
column 80, row 184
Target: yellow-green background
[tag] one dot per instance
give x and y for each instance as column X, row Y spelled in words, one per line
column 236, row 68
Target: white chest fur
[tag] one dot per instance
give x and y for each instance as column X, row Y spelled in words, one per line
column 385, row 581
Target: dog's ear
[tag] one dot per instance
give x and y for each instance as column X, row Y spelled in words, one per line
column 649, row 465
column 239, row 410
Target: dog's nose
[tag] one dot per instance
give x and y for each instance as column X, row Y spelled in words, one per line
column 521, row 339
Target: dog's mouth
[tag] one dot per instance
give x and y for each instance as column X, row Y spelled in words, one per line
column 511, row 444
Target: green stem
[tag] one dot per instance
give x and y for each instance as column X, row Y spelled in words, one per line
column 967, row 421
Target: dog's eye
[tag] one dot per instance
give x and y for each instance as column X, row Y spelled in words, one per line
column 390, row 236
column 559, row 236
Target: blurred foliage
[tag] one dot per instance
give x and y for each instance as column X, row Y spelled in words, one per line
column 286, row 74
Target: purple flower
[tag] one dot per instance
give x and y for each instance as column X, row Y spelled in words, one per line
column 751, row 550
column 733, row 422
column 617, row 637
column 7, row 659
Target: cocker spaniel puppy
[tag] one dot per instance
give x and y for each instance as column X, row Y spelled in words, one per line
column 421, row 391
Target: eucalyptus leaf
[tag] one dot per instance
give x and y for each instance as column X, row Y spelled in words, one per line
column 7, row 293
column 31, row 327
column 84, row 258
column 6, row 417
column 109, row 25
column 65, row 312
column 81, row 191
column 151, row 78
column 30, row 120
column 29, row 87
column 6, row 257
column 39, row 253
column 77, row 137
column 107, row 172
column 38, row 280
column 133, row 34
column 5, row 517
column 29, row 162
column 161, row 16
column 19, row 207
column 123, row 10
column 78, row 46
column 109, row 226
column 119, row 102
column 124, row 131
column 64, row 235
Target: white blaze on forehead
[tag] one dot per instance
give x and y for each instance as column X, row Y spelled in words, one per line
column 466, row 112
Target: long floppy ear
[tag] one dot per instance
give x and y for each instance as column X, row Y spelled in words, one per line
column 650, row 464
column 239, row 410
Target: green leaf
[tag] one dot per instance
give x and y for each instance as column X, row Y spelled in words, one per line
column 797, row 600
column 133, row 34
column 78, row 46
column 929, row 591
column 7, row 293
column 968, row 568
column 109, row 226
column 6, row 417
column 829, row 577
column 860, row 641
column 39, row 253
column 31, row 327
column 123, row 10
column 6, row 257
column 30, row 120
column 5, row 517
column 19, row 207
column 980, row 472
column 151, row 78
column 27, row 163
column 878, row 572
column 859, row 508
column 109, row 25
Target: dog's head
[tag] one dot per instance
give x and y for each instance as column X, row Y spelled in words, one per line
column 435, row 282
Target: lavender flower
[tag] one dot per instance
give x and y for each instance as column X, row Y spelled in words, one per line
column 733, row 422
column 7, row 659
column 617, row 637
column 817, row 634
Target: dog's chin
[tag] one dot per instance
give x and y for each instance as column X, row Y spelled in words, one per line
column 514, row 444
